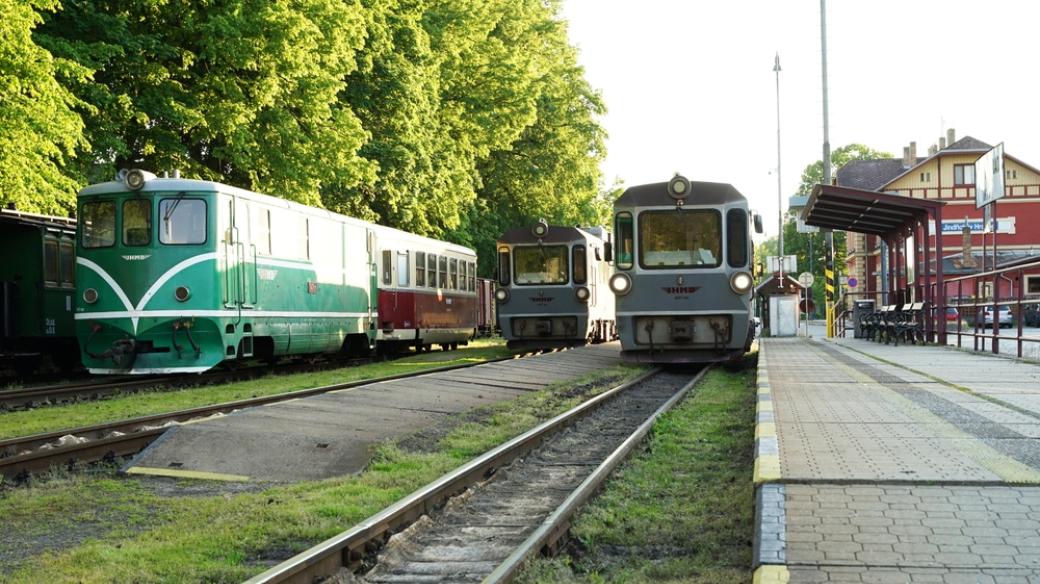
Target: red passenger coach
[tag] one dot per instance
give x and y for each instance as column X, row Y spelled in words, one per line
column 427, row 292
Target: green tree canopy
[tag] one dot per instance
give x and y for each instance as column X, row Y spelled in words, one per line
column 39, row 129
column 243, row 92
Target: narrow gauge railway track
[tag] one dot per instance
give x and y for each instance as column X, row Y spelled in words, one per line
column 524, row 508
column 20, row 457
column 30, row 397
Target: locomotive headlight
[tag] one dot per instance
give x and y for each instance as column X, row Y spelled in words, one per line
column 678, row 187
column 740, row 282
column 502, row 295
column 540, row 229
column 582, row 293
column 90, row 295
column 182, row 293
column 621, row 284
column 135, row 179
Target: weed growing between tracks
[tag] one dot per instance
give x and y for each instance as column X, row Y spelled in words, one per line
column 681, row 510
column 229, row 537
column 121, row 407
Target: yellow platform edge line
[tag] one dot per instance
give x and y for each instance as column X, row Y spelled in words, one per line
column 767, row 468
column 771, row 575
column 765, row 406
column 186, row 474
column 765, row 429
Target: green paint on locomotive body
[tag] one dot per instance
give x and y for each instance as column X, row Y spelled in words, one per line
column 265, row 277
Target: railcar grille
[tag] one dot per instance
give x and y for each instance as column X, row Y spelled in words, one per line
column 544, row 327
column 694, row 330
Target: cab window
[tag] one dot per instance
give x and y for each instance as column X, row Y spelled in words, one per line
column 98, row 224
column 540, row 264
column 625, row 241
column 684, row 239
column 579, row 264
column 137, row 222
column 736, row 238
column 182, row 221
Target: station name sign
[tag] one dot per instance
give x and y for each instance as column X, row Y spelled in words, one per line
column 977, row 225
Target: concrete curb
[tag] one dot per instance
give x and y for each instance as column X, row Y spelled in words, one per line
column 767, row 446
column 769, row 551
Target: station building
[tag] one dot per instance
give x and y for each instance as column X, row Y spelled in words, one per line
column 947, row 174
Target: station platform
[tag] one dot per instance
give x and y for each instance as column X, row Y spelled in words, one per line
column 877, row 463
column 334, row 433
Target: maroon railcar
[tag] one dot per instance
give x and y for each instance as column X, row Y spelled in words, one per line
column 427, row 292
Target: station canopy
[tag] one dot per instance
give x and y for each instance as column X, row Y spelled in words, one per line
column 871, row 212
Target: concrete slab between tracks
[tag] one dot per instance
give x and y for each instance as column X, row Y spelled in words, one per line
column 334, row 434
column 907, row 464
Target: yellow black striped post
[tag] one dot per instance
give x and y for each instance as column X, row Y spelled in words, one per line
column 828, row 286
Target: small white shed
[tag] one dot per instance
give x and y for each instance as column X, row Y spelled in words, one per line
column 781, row 297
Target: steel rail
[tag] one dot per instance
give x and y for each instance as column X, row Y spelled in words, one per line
column 24, row 454
column 558, row 522
column 348, row 548
column 30, row 396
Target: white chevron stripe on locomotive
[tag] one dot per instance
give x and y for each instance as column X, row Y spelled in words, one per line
column 130, row 308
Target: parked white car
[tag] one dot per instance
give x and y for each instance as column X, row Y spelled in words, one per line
column 1003, row 317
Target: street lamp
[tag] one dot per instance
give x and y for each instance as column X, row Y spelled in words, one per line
column 779, row 195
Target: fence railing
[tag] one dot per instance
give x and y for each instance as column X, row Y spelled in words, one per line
column 974, row 295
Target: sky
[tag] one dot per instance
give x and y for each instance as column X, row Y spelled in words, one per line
column 690, row 88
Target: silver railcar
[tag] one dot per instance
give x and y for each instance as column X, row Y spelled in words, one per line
column 553, row 286
column 683, row 272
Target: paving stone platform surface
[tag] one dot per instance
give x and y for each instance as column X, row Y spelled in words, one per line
column 908, row 464
column 334, row 433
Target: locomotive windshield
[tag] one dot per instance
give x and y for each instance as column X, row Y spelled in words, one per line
column 543, row 264
column 183, row 221
column 98, row 223
column 687, row 239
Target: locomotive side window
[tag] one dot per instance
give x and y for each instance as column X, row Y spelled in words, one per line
column 453, row 274
column 442, row 282
column 137, row 222
column 50, row 262
column 262, row 231
column 542, row 264
column 431, row 270
column 68, row 263
column 503, row 267
column 579, row 264
column 420, row 269
column 387, row 269
column 98, row 224
column 690, row 239
column 462, row 275
column 402, row 268
column 625, row 241
column 183, row 221
column 736, row 238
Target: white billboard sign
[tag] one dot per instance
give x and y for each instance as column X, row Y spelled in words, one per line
column 989, row 176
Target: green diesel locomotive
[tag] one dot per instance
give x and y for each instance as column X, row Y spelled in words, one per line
column 179, row 275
